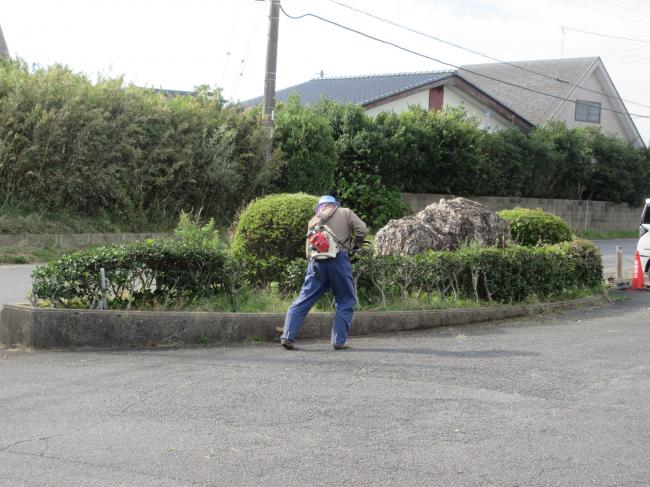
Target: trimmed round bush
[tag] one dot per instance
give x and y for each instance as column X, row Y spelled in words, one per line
column 536, row 227
column 271, row 233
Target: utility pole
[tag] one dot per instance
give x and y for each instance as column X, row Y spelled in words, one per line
column 269, row 76
column 4, row 51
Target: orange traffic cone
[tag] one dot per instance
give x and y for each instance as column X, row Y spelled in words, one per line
column 638, row 280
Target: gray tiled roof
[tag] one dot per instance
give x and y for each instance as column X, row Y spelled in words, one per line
column 534, row 107
column 356, row 89
column 4, row 50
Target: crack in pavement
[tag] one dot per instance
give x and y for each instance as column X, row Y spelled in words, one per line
column 77, row 430
column 106, row 466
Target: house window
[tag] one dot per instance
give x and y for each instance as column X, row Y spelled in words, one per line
column 587, row 111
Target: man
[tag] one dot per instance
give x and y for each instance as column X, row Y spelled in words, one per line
column 333, row 232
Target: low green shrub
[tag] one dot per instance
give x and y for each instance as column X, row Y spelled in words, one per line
column 170, row 274
column 292, row 277
column 271, row 233
column 509, row 275
column 191, row 229
column 587, row 259
column 147, row 272
column 535, row 227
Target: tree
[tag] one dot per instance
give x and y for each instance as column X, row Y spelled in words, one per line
column 308, row 147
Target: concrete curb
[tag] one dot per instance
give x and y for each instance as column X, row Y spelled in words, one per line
column 45, row 328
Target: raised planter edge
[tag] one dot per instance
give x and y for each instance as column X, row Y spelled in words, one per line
column 47, row 328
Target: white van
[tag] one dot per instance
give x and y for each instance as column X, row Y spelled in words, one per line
column 644, row 237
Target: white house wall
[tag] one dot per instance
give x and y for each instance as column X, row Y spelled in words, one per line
column 421, row 98
column 452, row 97
column 486, row 117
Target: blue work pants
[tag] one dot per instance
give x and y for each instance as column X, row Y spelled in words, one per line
column 334, row 274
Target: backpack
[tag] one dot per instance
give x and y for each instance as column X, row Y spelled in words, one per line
column 322, row 243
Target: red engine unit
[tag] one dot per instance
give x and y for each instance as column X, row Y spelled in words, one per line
column 318, row 241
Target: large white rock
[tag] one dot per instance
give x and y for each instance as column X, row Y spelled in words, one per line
column 443, row 226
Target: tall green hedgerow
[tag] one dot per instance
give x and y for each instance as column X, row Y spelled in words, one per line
column 308, row 148
column 131, row 153
column 430, row 151
column 535, row 227
column 362, row 151
column 370, row 199
column 137, row 157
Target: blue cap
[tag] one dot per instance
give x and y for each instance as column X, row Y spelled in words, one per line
column 327, row 199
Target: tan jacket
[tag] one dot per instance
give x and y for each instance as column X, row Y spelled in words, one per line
column 345, row 224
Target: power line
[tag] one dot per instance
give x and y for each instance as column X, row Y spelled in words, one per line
column 251, row 39
column 416, row 53
column 606, row 12
column 611, row 55
column 234, row 26
column 608, row 35
column 535, row 13
column 571, row 28
column 604, row 45
column 630, row 51
column 438, row 39
column 598, row 46
column 633, row 58
column 625, row 8
column 613, row 51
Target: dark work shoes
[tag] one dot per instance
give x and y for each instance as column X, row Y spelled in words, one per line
column 288, row 345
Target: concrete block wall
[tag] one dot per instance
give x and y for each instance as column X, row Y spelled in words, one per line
column 74, row 241
column 581, row 215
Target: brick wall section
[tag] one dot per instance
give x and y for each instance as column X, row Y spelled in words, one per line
column 436, row 96
column 581, row 215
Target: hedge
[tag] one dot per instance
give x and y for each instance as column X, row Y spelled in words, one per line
column 509, row 275
column 167, row 272
column 445, row 152
column 125, row 153
column 535, row 227
column 148, row 272
column 138, row 156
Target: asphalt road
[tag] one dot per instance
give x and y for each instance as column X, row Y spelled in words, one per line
column 608, row 249
column 554, row 400
column 15, row 283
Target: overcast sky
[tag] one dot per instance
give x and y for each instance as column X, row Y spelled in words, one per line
column 178, row 45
